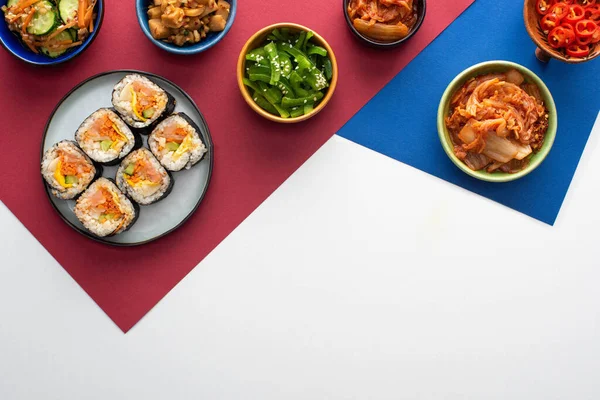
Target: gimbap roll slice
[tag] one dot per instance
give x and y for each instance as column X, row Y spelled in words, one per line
column 104, row 210
column 142, row 178
column 105, row 138
column 141, row 102
column 67, row 170
column 176, row 143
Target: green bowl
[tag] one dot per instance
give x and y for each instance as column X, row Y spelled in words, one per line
column 482, row 69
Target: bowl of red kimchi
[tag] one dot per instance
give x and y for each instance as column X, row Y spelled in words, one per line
column 497, row 121
column 384, row 23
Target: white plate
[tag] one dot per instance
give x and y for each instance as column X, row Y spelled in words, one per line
column 155, row 220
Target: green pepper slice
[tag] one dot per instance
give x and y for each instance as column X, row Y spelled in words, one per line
column 296, row 83
column 263, row 103
column 260, row 74
column 258, row 55
column 288, row 102
column 271, row 50
column 317, row 50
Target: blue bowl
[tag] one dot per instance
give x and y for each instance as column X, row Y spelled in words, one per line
column 13, row 44
column 212, row 38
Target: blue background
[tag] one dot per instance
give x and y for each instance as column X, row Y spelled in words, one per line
column 400, row 121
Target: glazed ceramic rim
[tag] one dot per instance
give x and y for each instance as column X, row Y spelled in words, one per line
column 385, row 45
column 209, row 147
column 498, row 66
column 251, row 44
column 73, row 54
column 184, row 50
column 545, row 47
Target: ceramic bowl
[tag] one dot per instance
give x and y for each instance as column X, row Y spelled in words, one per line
column 257, row 40
column 211, row 39
column 544, row 51
column 482, row 69
column 421, row 10
column 13, row 44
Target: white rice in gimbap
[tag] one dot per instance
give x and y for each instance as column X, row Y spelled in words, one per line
column 105, row 137
column 176, row 143
column 104, row 210
column 139, row 101
column 142, row 178
column 67, row 170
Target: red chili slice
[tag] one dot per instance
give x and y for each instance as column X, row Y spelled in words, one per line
column 563, row 1
column 561, row 37
column 592, row 12
column 549, row 22
column 585, row 28
column 578, row 50
column 571, row 36
column 583, row 41
column 575, row 14
column 543, row 6
column 560, row 10
column 586, row 3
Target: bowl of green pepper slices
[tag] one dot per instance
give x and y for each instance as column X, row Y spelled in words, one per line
column 287, row 73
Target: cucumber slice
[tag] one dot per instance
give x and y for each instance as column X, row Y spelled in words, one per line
column 129, row 170
column 44, row 19
column 73, row 33
column 148, row 113
column 70, row 180
column 172, row 146
column 68, row 10
column 64, row 35
column 105, row 145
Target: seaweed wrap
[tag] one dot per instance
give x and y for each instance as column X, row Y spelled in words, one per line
column 176, row 143
column 105, row 138
column 141, row 102
column 104, row 210
column 143, row 178
column 67, row 171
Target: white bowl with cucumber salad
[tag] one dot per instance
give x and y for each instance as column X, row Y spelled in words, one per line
column 49, row 32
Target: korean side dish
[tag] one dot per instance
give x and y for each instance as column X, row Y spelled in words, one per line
column 104, row 210
column 570, row 26
column 67, row 170
column 51, row 27
column 383, row 20
column 72, row 169
column 141, row 102
column 186, row 21
column 497, row 121
column 176, row 143
column 288, row 75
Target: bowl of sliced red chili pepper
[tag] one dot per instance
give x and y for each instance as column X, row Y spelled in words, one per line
column 567, row 30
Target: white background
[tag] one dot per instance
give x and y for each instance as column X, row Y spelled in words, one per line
column 360, row 278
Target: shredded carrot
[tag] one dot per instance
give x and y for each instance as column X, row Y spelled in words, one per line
column 15, row 18
column 62, row 28
column 91, row 25
column 31, row 47
column 88, row 17
column 60, row 43
column 27, row 20
column 67, row 46
column 25, row 3
column 81, row 13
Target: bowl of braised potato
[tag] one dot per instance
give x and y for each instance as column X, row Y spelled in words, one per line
column 185, row 26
